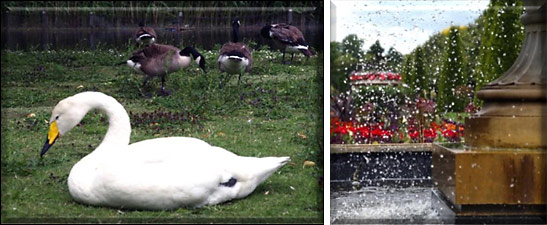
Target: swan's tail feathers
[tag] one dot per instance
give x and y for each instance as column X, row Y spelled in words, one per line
column 268, row 165
column 284, row 160
column 255, row 171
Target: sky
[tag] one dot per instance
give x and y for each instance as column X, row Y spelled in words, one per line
column 401, row 24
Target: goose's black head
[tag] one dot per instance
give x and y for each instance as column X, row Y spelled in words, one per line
column 236, row 23
column 199, row 58
column 265, row 32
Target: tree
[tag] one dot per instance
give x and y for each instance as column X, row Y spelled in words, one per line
column 501, row 40
column 376, row 57
column 394, row 60
column 408, row 72
column 344, row 58
column 336, row 77
column 342, row 66
column 433, row 53
column 421, row 79
column 453, row 77
column 352, row 45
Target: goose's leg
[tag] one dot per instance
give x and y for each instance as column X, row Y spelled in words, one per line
column 225, row 79
column 163, row 91
column 144, row 86
column 229, row 78
column 292, row 56
column 250, row 74
column 238, row 79
column 283, row 60
column 220, row 81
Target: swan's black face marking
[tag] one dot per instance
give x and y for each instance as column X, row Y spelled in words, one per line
column 51, row 137
column 229, row 183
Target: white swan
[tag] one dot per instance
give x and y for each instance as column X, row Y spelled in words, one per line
column 156, row 174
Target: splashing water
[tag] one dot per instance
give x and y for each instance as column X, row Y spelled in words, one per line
column 384, row 205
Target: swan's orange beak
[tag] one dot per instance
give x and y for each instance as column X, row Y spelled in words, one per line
column 52, row 136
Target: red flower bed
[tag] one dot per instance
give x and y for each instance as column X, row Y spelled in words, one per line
column 376, row 76
column 352, row 132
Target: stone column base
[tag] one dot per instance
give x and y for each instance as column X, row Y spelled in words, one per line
column 491, row 182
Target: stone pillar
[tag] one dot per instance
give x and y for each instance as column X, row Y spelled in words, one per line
column 501, row 170
column 514, row 110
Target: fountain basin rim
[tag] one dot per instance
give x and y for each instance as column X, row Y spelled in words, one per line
column 529, row 92
column 392, row 147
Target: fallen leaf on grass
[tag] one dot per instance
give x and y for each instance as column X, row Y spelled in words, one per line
column 302, row 135
column 308, row 164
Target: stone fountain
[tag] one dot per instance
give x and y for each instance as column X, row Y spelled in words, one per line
column 501, row 169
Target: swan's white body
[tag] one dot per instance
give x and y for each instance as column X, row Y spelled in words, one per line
column 162, row 173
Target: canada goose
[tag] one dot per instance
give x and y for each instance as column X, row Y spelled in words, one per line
column 145, row 35
column 235, row 57
column 160, row 60
column 154, row 174
column 287, row 38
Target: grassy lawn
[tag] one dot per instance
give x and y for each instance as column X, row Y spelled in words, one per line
column 276, row 111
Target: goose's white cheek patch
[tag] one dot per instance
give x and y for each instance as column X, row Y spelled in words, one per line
column 135, row 66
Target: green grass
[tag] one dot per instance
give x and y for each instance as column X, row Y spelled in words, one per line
column 276, row 111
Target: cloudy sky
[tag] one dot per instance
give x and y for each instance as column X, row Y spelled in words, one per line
column 401, row 24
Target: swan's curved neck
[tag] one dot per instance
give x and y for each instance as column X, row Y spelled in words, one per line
column 119, row 129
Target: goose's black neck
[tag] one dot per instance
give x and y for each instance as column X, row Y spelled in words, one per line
column 189, row 51
column 235, row 31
